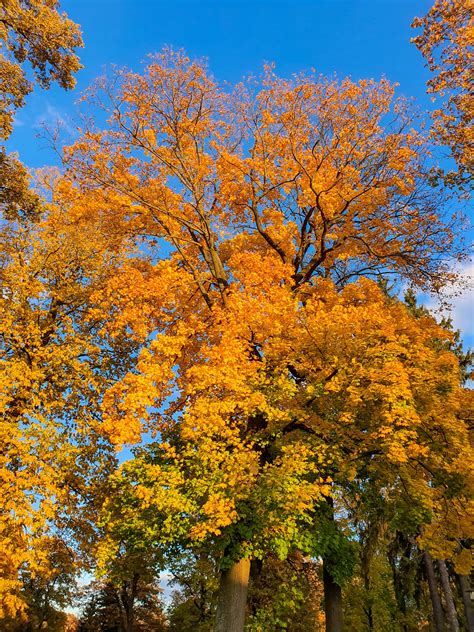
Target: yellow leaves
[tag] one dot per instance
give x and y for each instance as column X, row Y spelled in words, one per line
column 150, row 136
column 396, row 453
column 10, row 603
column 451, row 523
column 219, row 512
column 224, row 178
column 351, row 374
column 219, row 241
column 54, row 367
column 463, row 562
column 416, row 451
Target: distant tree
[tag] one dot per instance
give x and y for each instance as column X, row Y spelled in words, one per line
column 193, row 603
column 286, row 595
column 133, row 606
column 101, row 611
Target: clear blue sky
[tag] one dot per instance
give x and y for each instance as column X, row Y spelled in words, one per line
column 360, row 38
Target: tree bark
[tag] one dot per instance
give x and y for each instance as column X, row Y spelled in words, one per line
column 232, row 598
column 466, row 599
column 438, row 618
column 332, row 602
column 451, row 615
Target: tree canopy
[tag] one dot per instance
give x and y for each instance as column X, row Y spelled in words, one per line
column 223, row 281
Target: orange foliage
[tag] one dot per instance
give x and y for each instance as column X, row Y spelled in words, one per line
column 34, row 31
column 446, row 42
column 268, row 372
column 54, row 367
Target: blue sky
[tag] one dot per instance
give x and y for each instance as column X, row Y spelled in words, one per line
column 359, row 38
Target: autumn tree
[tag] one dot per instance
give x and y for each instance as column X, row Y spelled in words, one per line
column 269, row 371
column 390, row 521
column 126, row 600
column 133, row 579
column 34, row 35
column 54, row 366
column 108, row 607
column 446, row 42
column 354, row 434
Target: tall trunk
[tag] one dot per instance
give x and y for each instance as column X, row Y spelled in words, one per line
column 438, row 618
column 332, row 602
column 451, row 615
column 332, row 590
column 131, row 602
column 232, row 598
column 125, row 598
column 466, row 599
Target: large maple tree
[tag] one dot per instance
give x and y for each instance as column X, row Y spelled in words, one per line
column 271, row 372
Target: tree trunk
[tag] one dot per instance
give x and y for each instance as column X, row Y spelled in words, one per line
column 232, row 599
column 438, row 618
column 332, row 602
column 466, row 599
column 131, row 602
column 451, row 615
column 125, row 598
column 366, row 557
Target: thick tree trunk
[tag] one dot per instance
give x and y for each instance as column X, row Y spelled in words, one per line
column 438, row 618
column 451, row 615
column 466, row 599
column 130, row 603
column 232, row 599
column 332, row 602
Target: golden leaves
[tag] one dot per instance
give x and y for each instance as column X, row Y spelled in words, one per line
column 273, row 398
column 54, row 368
column 205, row 286
column 303, row 171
